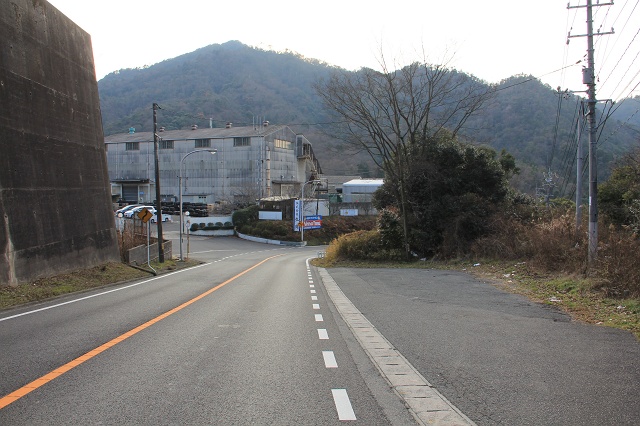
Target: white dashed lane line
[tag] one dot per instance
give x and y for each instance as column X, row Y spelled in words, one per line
column 343, row 405
column 329, row 359
column 340, row 396
column 425, row 402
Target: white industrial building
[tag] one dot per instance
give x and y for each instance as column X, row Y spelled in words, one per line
column 250, row 163
column 360, row 190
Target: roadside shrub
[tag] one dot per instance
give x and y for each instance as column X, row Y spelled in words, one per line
column 194, row 227
column 245, row 216
column 617, row 263
column 551, row 243
column 360, row 245
column 332, row 227
column 390, row 228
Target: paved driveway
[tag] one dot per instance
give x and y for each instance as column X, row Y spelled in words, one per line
column 501, row 359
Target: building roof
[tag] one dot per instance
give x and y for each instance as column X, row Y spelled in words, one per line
column 333, row 179
column 364, row 182
column 204, row 133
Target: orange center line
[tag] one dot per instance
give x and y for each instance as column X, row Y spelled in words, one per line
column 24, row 390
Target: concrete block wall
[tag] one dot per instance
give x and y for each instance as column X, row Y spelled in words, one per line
column 55, row 206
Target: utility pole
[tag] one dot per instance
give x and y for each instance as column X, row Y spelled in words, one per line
column 589, row 78
column 158, row 199
column 579, row 162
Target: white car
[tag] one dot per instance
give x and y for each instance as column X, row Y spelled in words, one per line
column 125, row 209
column 165, row 217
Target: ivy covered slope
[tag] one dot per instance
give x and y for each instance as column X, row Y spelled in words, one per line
column 232, row 82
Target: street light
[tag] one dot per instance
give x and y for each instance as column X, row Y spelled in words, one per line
column 302, row 208
column 210, row 151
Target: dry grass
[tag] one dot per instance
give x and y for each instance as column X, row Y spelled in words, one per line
column 544, row 260
column 80, row 280
column 574, row 294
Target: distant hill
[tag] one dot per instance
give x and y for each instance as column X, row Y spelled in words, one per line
column 237, row 83
column 228, row 82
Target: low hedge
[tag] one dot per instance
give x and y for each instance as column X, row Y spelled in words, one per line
column 210, row 226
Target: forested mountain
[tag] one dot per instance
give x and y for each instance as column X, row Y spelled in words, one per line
column 236, row 83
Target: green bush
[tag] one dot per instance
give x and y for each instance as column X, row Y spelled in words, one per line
column 245, row 216
column 390, row 228
column 282, row 230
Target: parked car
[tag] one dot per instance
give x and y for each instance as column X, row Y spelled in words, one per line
column 165, row 217
column 125, row 209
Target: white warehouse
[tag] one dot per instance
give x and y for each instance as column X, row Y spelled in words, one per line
column 360, row 190
column 250, row 163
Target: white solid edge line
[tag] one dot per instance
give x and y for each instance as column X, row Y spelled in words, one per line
column 57, row 305
column 343, row 405
column 339, row 300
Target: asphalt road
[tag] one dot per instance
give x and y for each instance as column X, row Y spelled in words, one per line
column 252, row 337
column 252, row 351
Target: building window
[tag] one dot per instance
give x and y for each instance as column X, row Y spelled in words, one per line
column 132, row 146
column 241, row 141
column 166, row 144
column 279, row 143
column 203, row 143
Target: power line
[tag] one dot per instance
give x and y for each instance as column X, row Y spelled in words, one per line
column 617, row 40
column 619, row 61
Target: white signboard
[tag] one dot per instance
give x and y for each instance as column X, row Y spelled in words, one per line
column 297, row 215
column 348, row 212
column 265, row 215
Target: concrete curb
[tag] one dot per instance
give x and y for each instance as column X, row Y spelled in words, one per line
column 267, row 241
column 426, row 404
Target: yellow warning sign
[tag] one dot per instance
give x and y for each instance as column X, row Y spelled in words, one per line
column 145, row 215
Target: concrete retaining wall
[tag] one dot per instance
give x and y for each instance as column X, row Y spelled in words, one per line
column 55, row 206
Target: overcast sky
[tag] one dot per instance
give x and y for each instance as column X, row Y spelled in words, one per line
column 492, row 39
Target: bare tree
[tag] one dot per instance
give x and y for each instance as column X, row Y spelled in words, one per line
column 392, row 113
column 246, row 194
